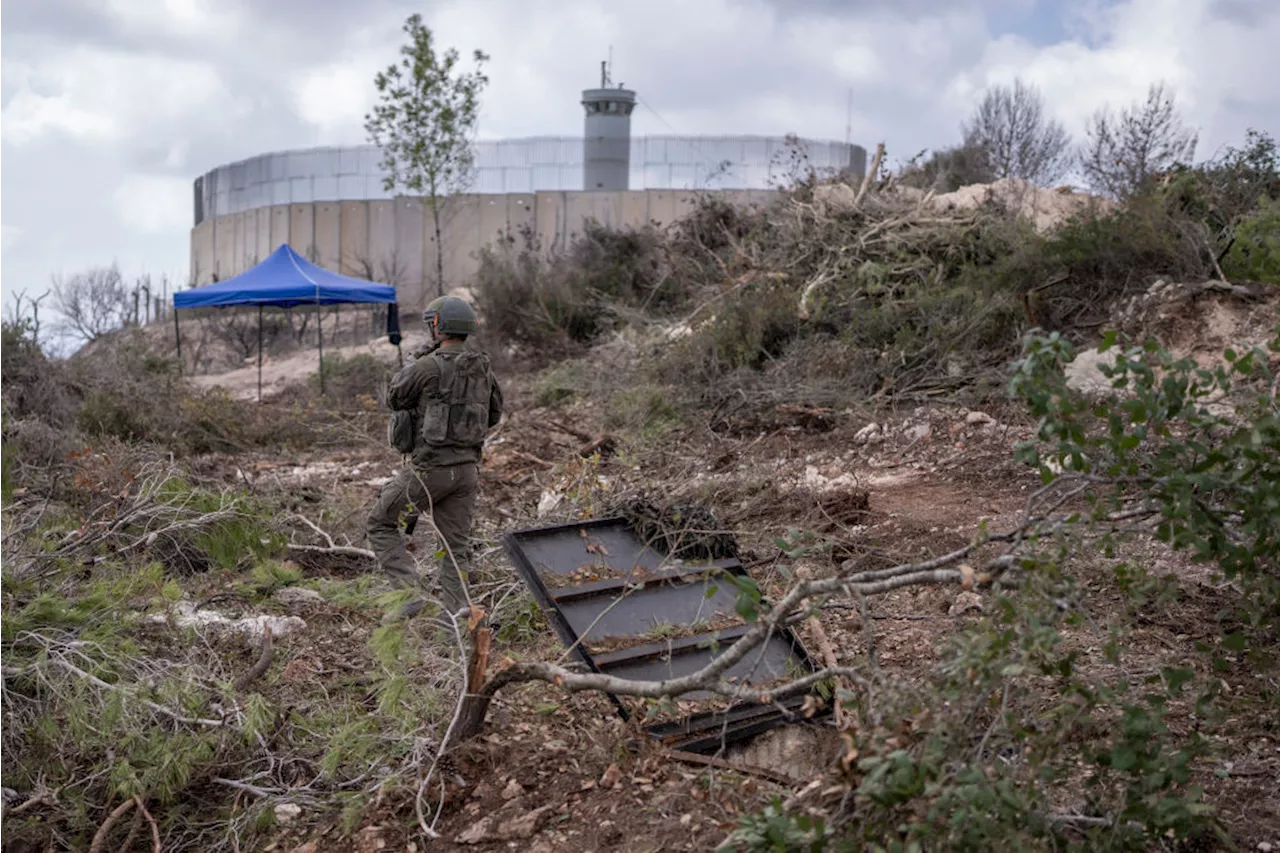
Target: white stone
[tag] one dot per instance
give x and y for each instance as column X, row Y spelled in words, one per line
column 979, row 419
column 296, row 595
column 287, row 813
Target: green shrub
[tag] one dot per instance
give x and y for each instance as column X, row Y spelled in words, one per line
column 560, row 384
column 1255, row 249
column 559, row 300
column 359, row 380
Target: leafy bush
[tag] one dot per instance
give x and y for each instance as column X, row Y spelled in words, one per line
column 360, row 380
column 1255, row 248
column 571, row 296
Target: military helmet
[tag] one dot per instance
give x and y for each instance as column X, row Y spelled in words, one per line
column 450, row 315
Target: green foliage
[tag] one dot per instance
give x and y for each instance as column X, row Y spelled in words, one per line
column 1211, row 475
column 560, row 384
column 572, row 295
column 358, row 380
column 773, row 830
column 1255, row 249
column 425, row 121
column 426, row 116
column 643, row 411
column 947, row 170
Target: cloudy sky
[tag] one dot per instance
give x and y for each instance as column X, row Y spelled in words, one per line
column 112, row 107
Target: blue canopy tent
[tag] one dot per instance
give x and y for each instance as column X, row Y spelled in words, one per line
column 284, row 280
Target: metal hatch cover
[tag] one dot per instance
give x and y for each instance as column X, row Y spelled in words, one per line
column 627, row 610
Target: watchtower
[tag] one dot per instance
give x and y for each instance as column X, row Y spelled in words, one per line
column 606, row 142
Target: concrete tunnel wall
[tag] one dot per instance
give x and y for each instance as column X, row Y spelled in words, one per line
column 393, row 241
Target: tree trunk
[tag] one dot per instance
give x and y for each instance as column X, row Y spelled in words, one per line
column 435, row 218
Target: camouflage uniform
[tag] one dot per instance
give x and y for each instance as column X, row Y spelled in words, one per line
column 442, row 478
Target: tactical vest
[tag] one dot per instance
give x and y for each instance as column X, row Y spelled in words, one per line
column 457, row 414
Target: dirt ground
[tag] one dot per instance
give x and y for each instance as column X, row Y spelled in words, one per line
column 553, row 771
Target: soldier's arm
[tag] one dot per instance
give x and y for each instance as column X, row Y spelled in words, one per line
column 408, row 385
column 495, row 402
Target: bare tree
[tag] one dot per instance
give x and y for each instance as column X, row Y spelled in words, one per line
column 1020, row 141
column 23, row 312
column 92, row 303
column 1125, row 152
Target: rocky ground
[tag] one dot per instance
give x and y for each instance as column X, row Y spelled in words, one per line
column 552, row 771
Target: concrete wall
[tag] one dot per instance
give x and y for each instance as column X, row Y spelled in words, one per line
column 395, row 240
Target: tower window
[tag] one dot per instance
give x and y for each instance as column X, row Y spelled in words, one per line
column 611, row 106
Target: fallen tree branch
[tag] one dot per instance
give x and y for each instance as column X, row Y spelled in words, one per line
column 155, row 828
column 336, row 550
column 261, row 666
column 100, row 837
column 726, row 764
column 870, row 175
column 159, row 709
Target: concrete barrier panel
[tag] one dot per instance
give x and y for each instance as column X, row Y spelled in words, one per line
column 410, row 214
column 662, row 206
column 634, row 208
column 302, row 230
column 224, row 247
column 687, row 200
column 279, row 226
column 549, row 220
column 243, row 253
column 328, row 234
column 493, row 219
column 460, row 222
column 263, row 233
column 604, row 207
column 382, row 243
column 520, row 215
column 354, row 240
column 202, row 253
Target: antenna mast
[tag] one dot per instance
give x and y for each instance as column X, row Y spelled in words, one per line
column 848, row 119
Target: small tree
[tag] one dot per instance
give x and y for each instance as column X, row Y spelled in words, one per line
column 1125, row 152
column 425, row 123
column 92, row 303
column 1019, row 140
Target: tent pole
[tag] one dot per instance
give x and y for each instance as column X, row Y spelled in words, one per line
column 177, row 334
column 259, row 353
column 320, row 343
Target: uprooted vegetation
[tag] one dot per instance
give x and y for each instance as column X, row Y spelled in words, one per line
column 1051, row 612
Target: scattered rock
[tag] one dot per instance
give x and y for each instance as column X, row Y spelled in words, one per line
column 1083, row 372
column 919, row 432
column 287, row 813
column 296, row 596
column 836, row 198
column 869, row 434
column 185, row 615
column 495, row 828
column 611, row 776
column 979, row 419
column 966, row 602
column 548, row 502
column 512, row 790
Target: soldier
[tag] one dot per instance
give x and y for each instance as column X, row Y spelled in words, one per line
column 443, row 403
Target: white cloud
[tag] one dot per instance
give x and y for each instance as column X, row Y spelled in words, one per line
column 9, row 235
column 154, row 204
column 111, row 112
column 205, row 19
column 108, row 97
column 1222, row 70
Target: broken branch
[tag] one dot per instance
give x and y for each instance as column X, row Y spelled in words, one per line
column 261, row 666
